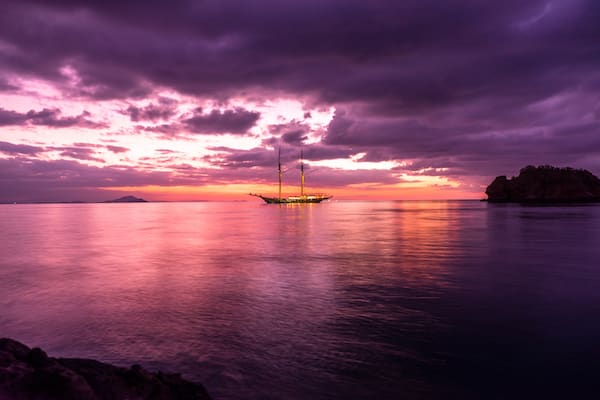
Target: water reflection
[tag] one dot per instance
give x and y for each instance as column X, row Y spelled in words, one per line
column 339, row 299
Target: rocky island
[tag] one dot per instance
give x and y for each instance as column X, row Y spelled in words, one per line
column 546, row 184
column 127, row 199
column 29, row 374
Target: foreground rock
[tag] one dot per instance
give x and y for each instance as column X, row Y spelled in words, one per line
column 546, row 184
column 30, row 374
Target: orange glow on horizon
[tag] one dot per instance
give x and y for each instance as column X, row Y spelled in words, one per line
column 240, row 191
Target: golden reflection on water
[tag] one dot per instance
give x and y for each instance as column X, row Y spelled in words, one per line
column 124, row 260
column 240, row 294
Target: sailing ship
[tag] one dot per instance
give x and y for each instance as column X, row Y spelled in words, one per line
column 302, row 198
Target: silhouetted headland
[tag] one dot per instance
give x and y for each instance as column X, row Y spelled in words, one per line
column 127, row 199
column 546, row 184
column 29, row 374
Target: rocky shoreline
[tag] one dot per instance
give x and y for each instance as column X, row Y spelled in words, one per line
column 29, row 374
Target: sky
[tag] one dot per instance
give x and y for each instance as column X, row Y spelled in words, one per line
column 192, row 99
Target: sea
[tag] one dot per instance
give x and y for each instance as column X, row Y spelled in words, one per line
column 338, row 300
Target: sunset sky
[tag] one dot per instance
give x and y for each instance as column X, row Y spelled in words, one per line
column 190, row 100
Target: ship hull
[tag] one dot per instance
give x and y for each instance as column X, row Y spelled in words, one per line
column 309, row 199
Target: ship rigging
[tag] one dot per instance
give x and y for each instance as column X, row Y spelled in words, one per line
column 302, row 198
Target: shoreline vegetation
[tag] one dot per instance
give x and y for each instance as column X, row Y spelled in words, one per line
column 29, row 374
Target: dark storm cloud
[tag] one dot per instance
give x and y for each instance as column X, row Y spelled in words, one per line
column 398, row 55
column 472, row 87
column 235, row 121
column 51, row 118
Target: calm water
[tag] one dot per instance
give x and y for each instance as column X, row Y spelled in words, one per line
column 339, row 300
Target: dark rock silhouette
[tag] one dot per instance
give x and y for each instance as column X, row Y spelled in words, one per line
column 29, row 374
column 546, row 184
column 127, row 199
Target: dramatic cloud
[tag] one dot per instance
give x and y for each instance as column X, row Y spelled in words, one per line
column 236, row 121
column 12, row 149
column 459, row 89
column 165, row 109
column 232, row 158
column 47, row 117
column 226, row 157
column 5, row 86
column 26, row 179
column 294, row 137
column 8, row 117
column 78, row 153
column 167, row 131
column 400, row 55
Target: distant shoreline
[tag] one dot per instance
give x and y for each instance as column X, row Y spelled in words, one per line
column 108, row 202
column 228, row 201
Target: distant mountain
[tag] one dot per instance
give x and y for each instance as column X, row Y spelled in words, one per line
column 546, row 184
column 127, row 199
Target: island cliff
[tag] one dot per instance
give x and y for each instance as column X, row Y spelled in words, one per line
column 29, row 374
column 546, row 184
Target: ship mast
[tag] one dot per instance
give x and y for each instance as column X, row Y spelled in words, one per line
column 301, row 175
column 280, row 173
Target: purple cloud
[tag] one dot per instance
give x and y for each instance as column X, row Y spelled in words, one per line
column 13, row 149
column 5, row 86
column 84, row 148
column 77, row 153
column 226, row 157
column 117, row 149
column 461, row 89
column 167, row 131
column 409, row 55
column 26, row 179
column 47, row 117
column 233, row 158
column 164, row 110
column 8, row 117
column 235, row 121
column 166, row 151
column 294, row 137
